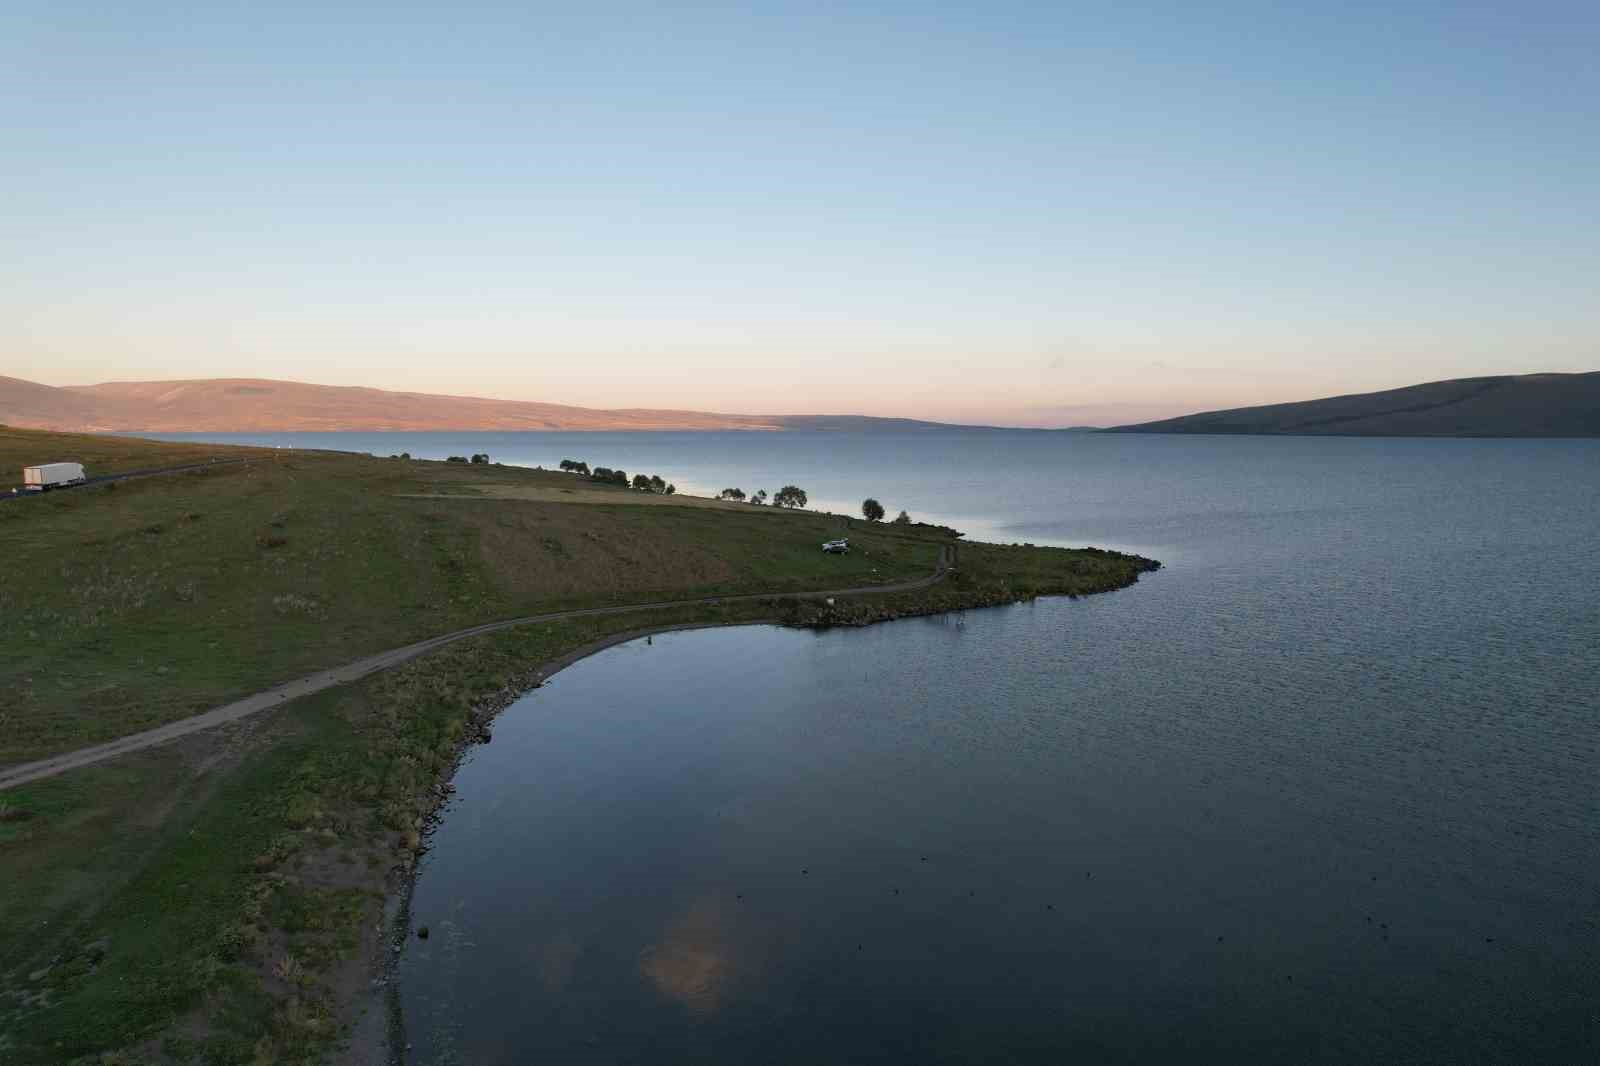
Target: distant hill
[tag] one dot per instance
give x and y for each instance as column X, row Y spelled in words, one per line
column 221, row 405
column 1525, row 405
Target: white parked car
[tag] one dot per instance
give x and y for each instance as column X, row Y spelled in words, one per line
column 837, row 547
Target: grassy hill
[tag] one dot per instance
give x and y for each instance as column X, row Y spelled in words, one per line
column 1527, row 405
column 220, row 899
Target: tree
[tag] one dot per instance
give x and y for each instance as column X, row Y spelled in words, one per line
column 731, row 494
column 480, row 459
column 641, row 481
column 872, row 510
column 456, row 459
column 790, row 496
column 657, row 483
column 902, row 519
column 576, row 466
column 759, row 498
column 671, row 488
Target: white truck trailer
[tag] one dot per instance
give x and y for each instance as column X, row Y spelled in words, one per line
column 51, row 476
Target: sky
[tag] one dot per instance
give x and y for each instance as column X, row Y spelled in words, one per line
column 1024, row 214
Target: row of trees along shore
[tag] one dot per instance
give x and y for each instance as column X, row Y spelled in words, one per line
column 642, row 482
column 788, row 496
column 794, row 496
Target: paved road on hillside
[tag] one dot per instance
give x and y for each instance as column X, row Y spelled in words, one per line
column 18, row 494
column 340, row 675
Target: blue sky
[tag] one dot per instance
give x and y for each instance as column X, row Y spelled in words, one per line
column 1035, row 214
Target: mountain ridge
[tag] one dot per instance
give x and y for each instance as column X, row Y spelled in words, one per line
column 1524, row 405
column 268, row 405
column 1505, row 405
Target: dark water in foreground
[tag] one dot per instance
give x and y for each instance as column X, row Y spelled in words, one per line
column 1323, row 790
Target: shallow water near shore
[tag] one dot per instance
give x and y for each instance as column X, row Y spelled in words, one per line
column 1322, row 789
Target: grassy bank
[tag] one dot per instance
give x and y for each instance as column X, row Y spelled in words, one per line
column 103, row 454
column 219, row 899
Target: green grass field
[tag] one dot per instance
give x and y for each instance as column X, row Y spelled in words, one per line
column 217, row 900
column 149, row 600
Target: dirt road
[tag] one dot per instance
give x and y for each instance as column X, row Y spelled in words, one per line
column 340, row 675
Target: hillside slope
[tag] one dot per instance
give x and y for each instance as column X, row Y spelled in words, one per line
column 218, row 405
column 29, row 405
column 1526, row 405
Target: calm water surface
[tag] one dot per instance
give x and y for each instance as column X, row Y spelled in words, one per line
column 1324, row 789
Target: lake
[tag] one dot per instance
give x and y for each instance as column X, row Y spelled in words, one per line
column 1322, row 789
